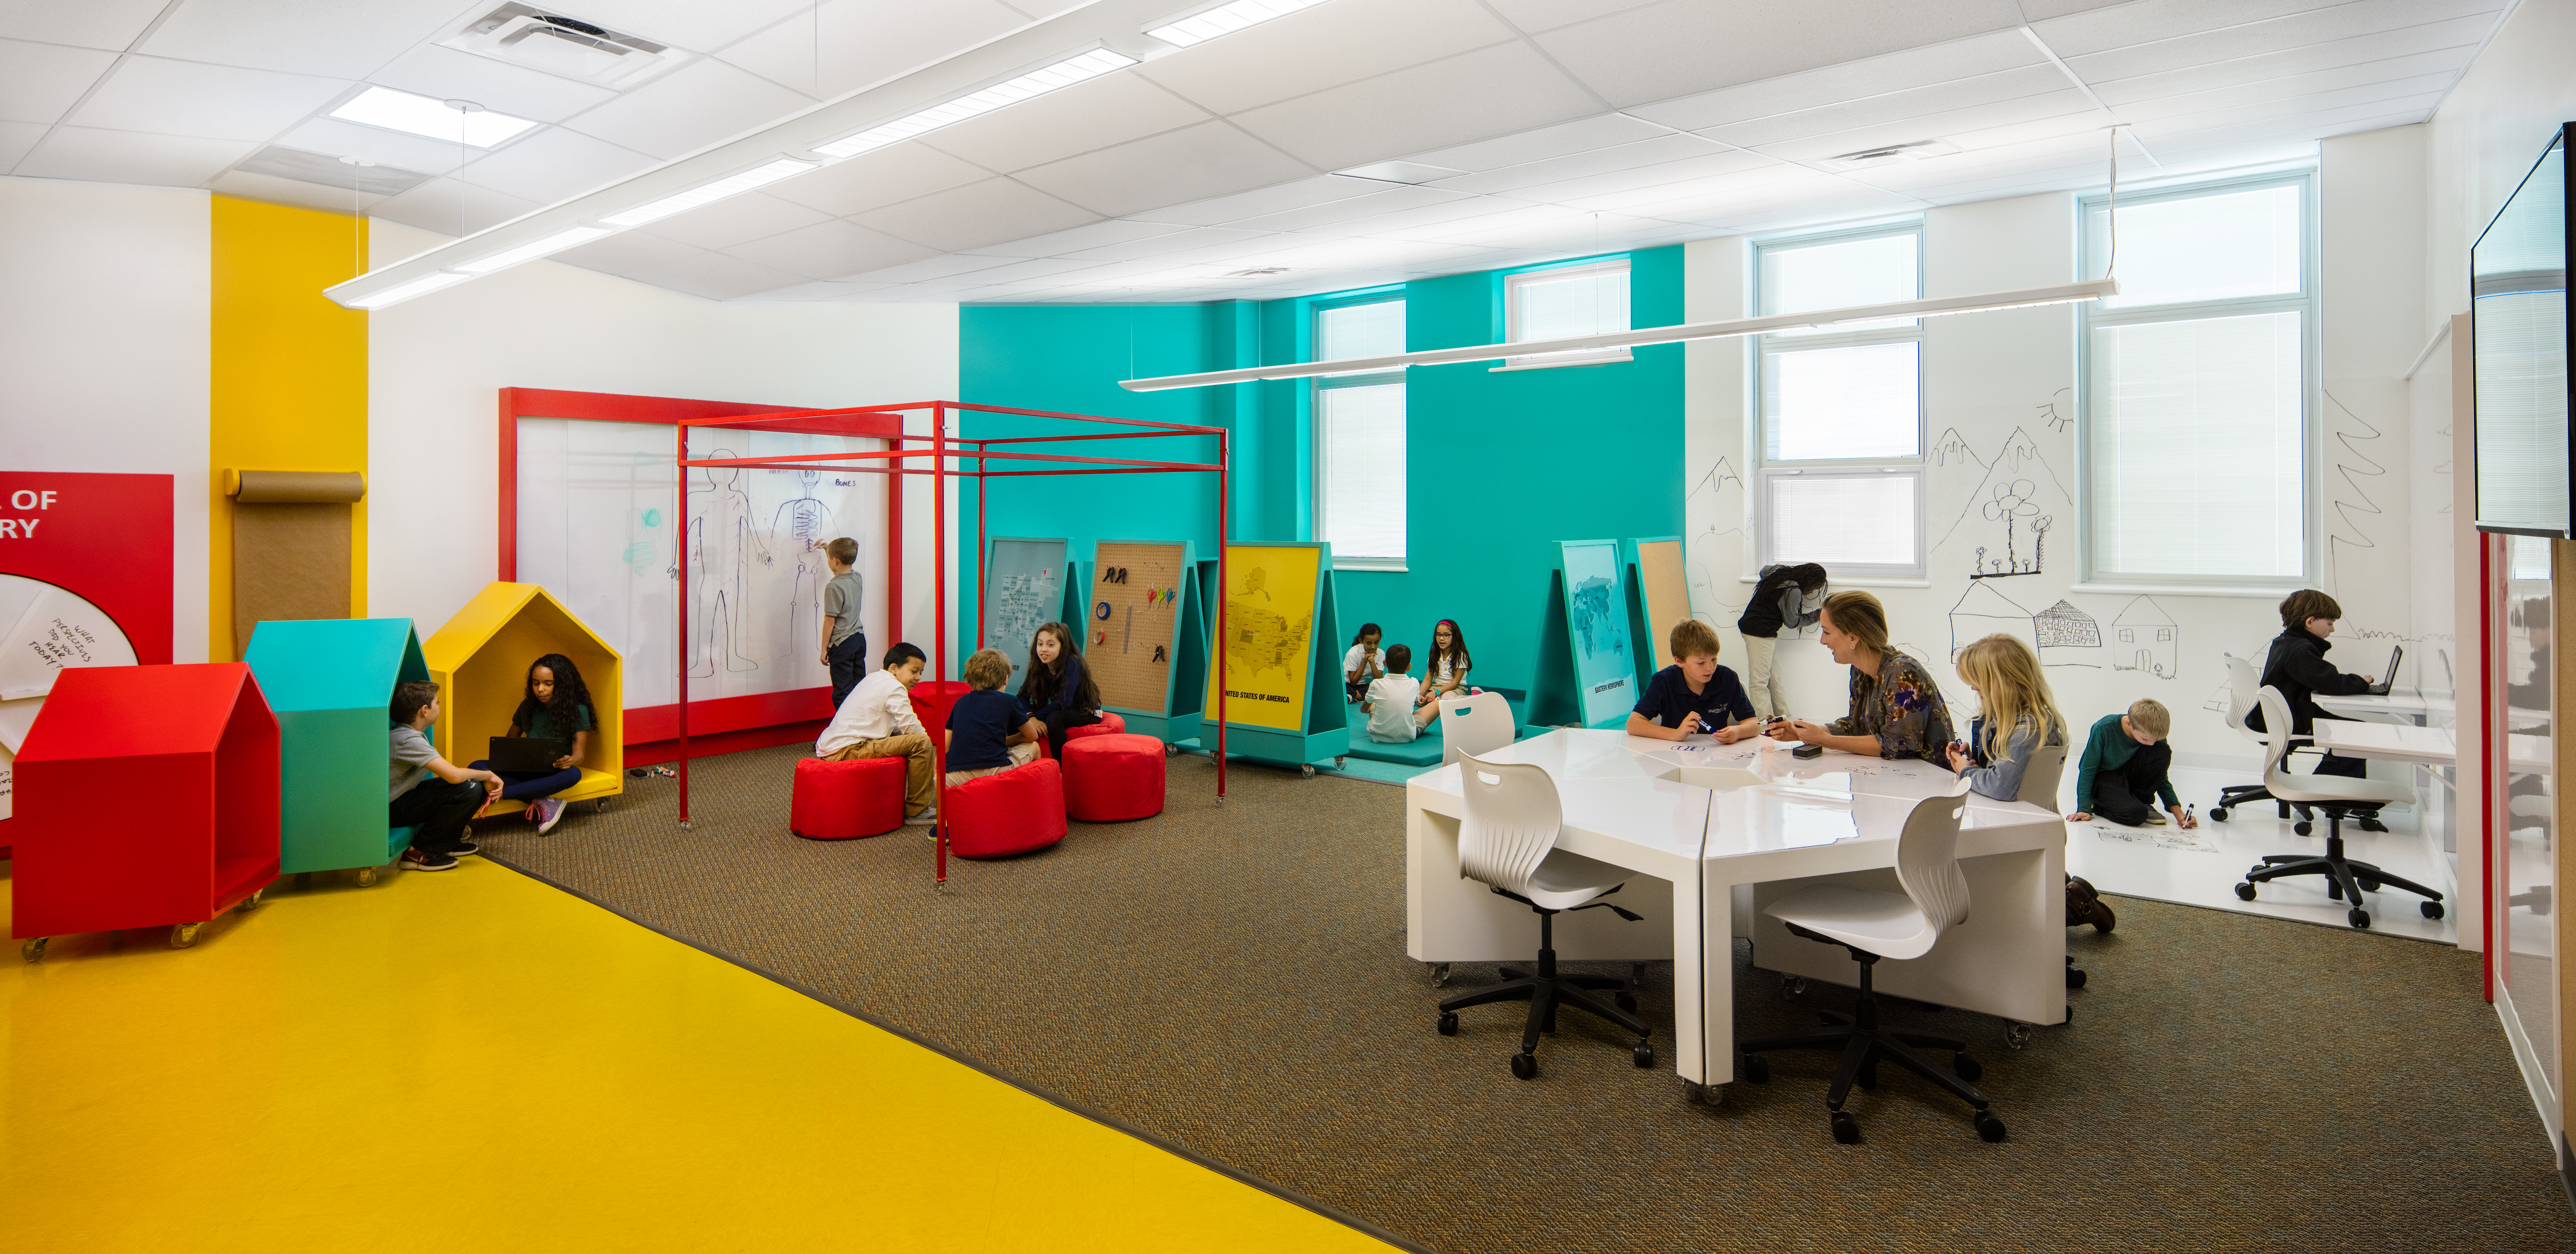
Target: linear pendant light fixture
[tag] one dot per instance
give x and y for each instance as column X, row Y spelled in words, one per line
column 2057, row 294
column 1198, row 28
column 1063, row 73
column 709, row 193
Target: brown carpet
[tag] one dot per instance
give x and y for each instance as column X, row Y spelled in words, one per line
column 1232, row 979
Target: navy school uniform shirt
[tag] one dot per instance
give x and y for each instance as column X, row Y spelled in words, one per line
column 1668, row 697
column 978, row 727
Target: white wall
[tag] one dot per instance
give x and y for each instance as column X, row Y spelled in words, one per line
column 104, row 351
column 2485, row 137
column 437, row 363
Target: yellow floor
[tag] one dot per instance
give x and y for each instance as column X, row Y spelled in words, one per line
column 475, row 1061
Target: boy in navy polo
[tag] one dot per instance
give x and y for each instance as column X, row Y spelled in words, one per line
column 1694, row 695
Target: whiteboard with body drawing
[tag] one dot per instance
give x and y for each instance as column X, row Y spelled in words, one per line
column 598, row 531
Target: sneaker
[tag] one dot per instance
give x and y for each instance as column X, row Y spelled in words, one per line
column 465, row 849
column 923, row 817
column 2154, row 820
column 415, row 860
column 554, row 812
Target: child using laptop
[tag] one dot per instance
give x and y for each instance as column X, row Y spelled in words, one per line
column 555, row 706
column 1389, row 703
column 984, row 736
column 1694, row 694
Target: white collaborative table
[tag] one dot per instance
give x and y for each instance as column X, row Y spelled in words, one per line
column 2427, row 746
column 1698, row 821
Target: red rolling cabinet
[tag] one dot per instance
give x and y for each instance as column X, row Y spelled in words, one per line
column 147, row 796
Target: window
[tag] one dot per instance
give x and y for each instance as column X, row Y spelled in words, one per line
column 2196, row 385
column 1840, row 419
column 1565, row 301
column 1359, row 438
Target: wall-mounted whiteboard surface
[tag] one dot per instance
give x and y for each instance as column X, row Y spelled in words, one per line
column 597, row 528
column 1024, row 589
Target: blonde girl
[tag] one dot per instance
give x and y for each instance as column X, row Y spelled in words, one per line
column 2018, row 717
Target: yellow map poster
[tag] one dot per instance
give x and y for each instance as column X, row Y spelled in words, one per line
column 1269, row 635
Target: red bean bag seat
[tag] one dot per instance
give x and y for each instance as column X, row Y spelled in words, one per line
column 1109, row 725
column 846, row 800
column 999, row 815
column 1112, row 778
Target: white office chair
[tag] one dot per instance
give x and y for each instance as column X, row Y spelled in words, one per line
column 2242, row 684
column 1508, row 842
column 2039, row 780
column 2346, row 880
column 1474, row 725
column 1874, row 925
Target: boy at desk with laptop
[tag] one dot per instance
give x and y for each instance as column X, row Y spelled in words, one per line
column 2297, row 666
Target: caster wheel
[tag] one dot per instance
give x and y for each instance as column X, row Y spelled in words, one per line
column 254, row 901
column 1448, row 1025
column 1696, row 1093
column 2334, row 890
column 601, row 808
column 1627, row 1001
column 2369, row 886
column 33, row 950
column 2245, row 892
column 1846, row 1128
column 2431, row 909
column 1524, row 1066
column 366, row 876
column 2070, row 1013
column 2016, row 1036
column 1439, row 975
column 2075, row 977
column 1756, row 1068
column 1339, row 763
column 1989, row 1128
column 2218, row 814
column 183, row 935
column 1308, row 771
column 1868, row 1078
column 2303, row 827
column 2360, row 919
column 1792, row 987
column 1643, row 1055
column 1968, row 1069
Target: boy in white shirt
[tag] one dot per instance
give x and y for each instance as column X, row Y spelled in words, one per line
column 1389, row 704
column 876, row 721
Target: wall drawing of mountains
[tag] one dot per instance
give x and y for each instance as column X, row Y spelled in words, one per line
column 1593, row 624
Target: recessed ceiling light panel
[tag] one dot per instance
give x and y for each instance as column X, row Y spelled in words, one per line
column 420, row 115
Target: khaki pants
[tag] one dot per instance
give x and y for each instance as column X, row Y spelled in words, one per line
column 917, row 789
column 1021, row 755
column 1762, row 678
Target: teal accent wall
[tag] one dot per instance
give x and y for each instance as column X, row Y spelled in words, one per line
column 1501, row 467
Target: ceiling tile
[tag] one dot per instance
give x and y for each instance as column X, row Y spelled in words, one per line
column 2407, row 28
column 1563, row 140
column 1629, row 191
column 2306, row 91
column 991, row 212
column 1353, row 209
column 1666, row 148
column 2286, row 117
column 447, row 74
column 451, row 208
column 283, row 191
column 1055, row 243
column 626, row 252
column 830, row 250
column 333, row 38
column 1683, row 46
column 716, row 276
column 109, row 24
column 1296, row 194
column 877, row 178
column 690, row 108
column 1322, row 47
column 333, row 137
column 75, row 152
column 1539, row 15
column 2042, row 10
column 554, row 164
column 1399, row 224
column 868, row 41
column 1108, row 110
column 39, row 81
column 2366, row 56
column 17, row 139
column 1033, row 268
column 1210, row 159
column 811, row 293
column 1180, row 243
column 1896, row 106
column 691, row 24
column 206, row 101
column 944, row 266
column 2146, row 21
column 1969, row 128
column 734, row 220
column 1480, row 95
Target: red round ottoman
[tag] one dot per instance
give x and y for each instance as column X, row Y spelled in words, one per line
column 1016, row 811
column 1113, row 777
column 846, row 800
column 1109, row 725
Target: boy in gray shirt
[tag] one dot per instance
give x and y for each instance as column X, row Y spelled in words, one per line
column 845, row 646
column 426, row 791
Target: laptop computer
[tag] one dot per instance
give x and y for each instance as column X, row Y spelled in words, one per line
column 2389, row 676
column 522, row 753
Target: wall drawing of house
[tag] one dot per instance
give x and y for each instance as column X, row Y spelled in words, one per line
column 2144, row 638
column 2067, row 636
column 1983, row 612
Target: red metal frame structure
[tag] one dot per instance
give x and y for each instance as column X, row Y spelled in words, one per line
column 940, row 447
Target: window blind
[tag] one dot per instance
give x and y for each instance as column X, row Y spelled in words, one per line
column 2223, row 247
column 2522, row 409
column 2196, row 433
column 1363, row 436
column 1843, row 520
column 1823, row 404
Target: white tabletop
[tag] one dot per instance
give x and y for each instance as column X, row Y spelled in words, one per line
column 2402, row 702
column 2431, row 746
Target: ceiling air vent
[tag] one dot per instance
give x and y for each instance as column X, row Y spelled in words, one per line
column 311, row 167
column 1915, row 151
column 564, row 46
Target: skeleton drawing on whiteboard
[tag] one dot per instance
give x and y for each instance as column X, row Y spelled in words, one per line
column 801, row 527
column 719, row 545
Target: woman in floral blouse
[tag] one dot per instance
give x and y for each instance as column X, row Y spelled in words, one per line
column 1896, row 709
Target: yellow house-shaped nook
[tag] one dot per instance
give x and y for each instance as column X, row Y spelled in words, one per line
column 480, row 660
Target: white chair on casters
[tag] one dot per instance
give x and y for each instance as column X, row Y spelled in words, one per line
column 2242, row 685
column 1875, row 925
column 1508, row 841
column 1477, row 725
column 2346, row 880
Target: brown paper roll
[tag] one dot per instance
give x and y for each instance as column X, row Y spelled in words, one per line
column 299, row 487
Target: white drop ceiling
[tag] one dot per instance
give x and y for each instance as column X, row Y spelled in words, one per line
column 1570, row 127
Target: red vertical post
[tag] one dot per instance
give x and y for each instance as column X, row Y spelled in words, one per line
column 680, row 519
column 983, row 577
column 2486, row 772
column 894, row 543
column 1224, row 463
column 508, row 530
column 939, row 612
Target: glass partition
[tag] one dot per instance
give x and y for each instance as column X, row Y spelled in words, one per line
column 2523, row 792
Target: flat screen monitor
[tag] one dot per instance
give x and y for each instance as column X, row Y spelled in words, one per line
column 2518, row 303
